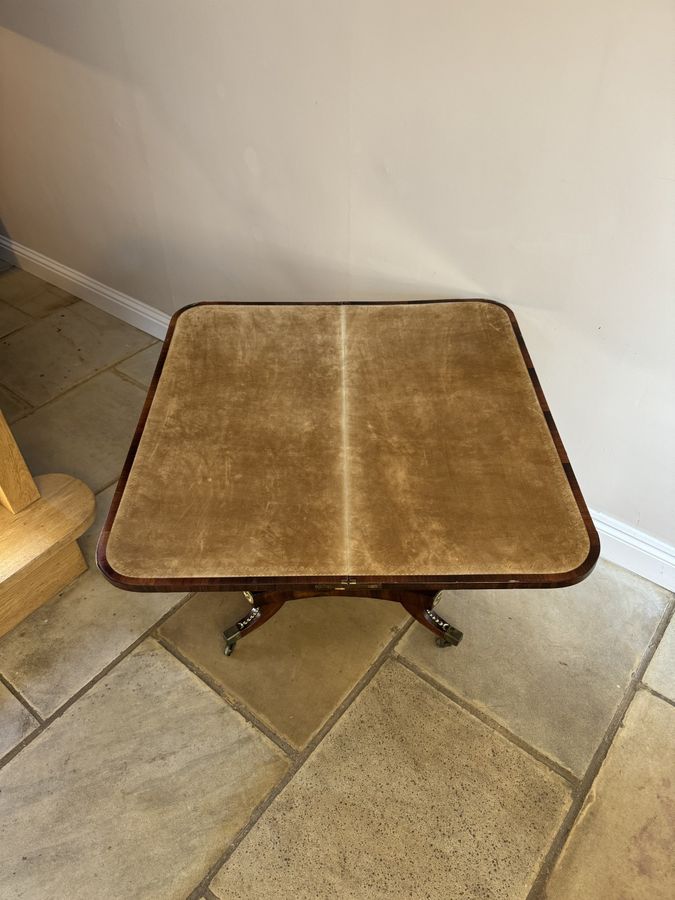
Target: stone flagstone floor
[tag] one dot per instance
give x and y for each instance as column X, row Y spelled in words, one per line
column 339, row 753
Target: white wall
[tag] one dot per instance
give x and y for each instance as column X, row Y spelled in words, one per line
column 326, row 149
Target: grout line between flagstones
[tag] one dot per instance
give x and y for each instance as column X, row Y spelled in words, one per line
column 16, row 396
column 298, row 762
column 125, row 377
column 27, row 295
column 14, row 331
column 538, row 889
column 109, row 368
column 22, row 700
column 659, row 696
column 47, row 721
column 486, row 719
column 237, row 705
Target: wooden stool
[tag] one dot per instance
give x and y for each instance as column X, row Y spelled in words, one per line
column 39, row 522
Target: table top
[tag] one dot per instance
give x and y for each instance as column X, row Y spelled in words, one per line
column 347, row 443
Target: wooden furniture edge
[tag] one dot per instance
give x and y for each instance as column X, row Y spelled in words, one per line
column 17, row 487
column 37, row 578
column 50, row 574
column 426, row 582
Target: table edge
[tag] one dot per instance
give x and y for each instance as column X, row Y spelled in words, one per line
column 422, row 582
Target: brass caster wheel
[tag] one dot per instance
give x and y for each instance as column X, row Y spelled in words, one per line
column 450, row 638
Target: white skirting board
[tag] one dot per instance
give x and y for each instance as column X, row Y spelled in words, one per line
column 621, row 544
column 636, row 551
column 127, row 308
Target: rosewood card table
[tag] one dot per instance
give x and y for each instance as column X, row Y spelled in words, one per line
column 389, row 450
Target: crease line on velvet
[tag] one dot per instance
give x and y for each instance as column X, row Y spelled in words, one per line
column 345, row 441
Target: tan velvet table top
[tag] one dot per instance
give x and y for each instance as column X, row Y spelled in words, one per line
column 346, row 443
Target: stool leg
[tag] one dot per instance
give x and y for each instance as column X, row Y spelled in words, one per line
column 261, row 610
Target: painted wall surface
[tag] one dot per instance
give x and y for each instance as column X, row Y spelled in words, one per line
column 333, row 149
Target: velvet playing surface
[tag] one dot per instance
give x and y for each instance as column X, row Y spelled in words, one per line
column 345, row 440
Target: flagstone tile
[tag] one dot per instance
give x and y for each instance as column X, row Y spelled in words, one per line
column 11, row 319
column 141, row 367
column 15, row 721
column 622, row 843
column 134, row 791
column 17, row 285
column 85, row 433
column 660, row 674
column 12, row 406
column 59, row 648
column 45, row 301
column 299, row 666
column 550, row 665
column 52, row 354
column 407, row 796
